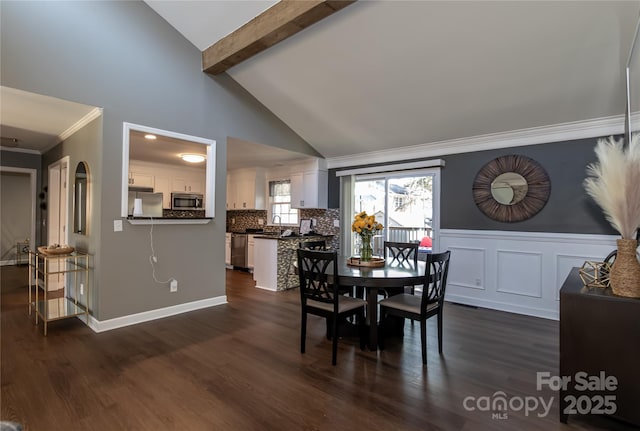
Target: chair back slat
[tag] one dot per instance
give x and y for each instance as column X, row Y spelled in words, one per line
column 435, row 279
column 317, row 272
column 401, row 253
column 314, row 245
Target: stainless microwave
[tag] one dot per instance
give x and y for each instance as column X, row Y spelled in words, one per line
column 186, row 201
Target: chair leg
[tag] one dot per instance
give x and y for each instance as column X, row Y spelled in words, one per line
column 363, row 330
column 382, row 328
column 303, row 332
column 328, row 323
column 423, row 340
column 334, row 352
column 440, row 332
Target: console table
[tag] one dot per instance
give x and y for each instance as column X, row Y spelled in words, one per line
column 600, row 332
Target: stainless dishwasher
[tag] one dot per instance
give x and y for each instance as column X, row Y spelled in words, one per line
column 239, row 250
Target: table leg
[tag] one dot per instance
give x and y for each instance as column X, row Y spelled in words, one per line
column 372, row 317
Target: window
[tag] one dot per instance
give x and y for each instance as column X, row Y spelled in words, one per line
column 280, row 202
column 402, row 202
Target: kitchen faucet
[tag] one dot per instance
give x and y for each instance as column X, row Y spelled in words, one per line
column 273, row 220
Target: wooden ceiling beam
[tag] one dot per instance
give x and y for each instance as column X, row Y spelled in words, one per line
column 282, row 20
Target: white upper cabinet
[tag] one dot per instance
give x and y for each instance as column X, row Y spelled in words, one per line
column 140, row 179
column 246, row 189
column 309, row 185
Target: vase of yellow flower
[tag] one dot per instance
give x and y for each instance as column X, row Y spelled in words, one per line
column 365, row 226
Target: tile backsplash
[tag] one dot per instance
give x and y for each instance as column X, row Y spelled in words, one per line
column 239, row 220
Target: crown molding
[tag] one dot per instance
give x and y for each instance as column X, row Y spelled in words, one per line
column 518, row 138
column 89, row 117
column 20, row 150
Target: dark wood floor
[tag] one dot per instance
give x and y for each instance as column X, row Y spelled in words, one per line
column 238, row 367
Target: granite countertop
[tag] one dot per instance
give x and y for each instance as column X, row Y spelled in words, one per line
column 291, row 238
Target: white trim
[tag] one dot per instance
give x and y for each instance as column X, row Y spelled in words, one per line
column 439, row 163
column 146, row 316
column 169, row 221
column 500, row 306
column 20, row 150
column 210, row 172
column 578, row 238
column 89, row 117
column 8, row 262
column 517, row 138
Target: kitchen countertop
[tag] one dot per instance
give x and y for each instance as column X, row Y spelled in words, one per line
column 290, row 238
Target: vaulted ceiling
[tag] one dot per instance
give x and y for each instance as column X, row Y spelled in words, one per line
column 383, row 74
column 378, row 75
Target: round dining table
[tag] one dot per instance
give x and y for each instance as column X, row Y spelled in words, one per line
column 392, row 277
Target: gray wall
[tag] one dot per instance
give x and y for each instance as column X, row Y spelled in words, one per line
column 569, row 209
column 15, row 212
column 123, row 57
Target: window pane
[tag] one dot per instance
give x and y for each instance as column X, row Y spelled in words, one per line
column 280, row 202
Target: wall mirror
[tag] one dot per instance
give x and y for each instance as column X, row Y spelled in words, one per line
column 164, row 156
column 511, row 188
column 81, row 198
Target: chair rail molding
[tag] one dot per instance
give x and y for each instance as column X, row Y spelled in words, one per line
column 518, row 272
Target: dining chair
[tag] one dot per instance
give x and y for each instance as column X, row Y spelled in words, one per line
column 292, row 269
column 401, row 253
column 320, row 295
column 421, row 307
column 314, row 245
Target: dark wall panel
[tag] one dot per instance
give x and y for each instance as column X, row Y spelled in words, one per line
column 569, row 209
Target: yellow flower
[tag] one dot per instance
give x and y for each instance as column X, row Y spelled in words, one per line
column 364, row 224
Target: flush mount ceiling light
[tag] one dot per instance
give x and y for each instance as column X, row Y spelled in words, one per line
column 192, row 158
column 150, row 136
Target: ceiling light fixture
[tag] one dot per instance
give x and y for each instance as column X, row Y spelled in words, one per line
column 192, row 158
column 150, row 136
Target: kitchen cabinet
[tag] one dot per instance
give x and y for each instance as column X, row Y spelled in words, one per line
column 49, row 272
column 140, row 179
column 246, row 189
column 227, row 249
column 163, row 185
column 309, row 187
column 187, row 184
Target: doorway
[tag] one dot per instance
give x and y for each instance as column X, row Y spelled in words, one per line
column 405, row 202
column 18, row 204
column 58, row 220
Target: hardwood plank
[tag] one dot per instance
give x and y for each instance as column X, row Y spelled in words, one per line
column 282, row 20
column 239, row 367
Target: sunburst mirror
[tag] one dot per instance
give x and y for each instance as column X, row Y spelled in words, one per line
column 511, row 188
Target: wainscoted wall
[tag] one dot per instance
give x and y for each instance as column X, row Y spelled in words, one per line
column 519, row 272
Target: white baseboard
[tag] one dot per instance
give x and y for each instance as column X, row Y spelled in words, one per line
column 146, row 316
column 500, row 306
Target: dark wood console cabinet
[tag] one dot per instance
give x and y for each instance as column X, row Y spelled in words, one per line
column 600, row 332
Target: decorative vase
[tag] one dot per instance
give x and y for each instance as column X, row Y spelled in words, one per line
column 366, row 252
column 625, row 272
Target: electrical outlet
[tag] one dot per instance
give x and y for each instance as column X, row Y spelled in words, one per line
column 81, row 288
column 336, row 222
column 173, row 286
column 233, row 220
column 260, row 221
column 154, row 259
column 314, row 222
column 117, row 225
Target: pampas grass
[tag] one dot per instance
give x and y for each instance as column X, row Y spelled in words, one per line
column 614, row 183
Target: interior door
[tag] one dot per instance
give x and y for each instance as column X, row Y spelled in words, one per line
column 57, row 232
